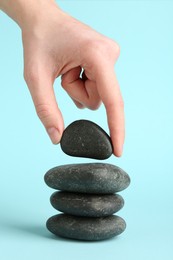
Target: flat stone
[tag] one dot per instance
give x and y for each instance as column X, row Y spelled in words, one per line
column 98, row 178
column 87, row 205
column 85, row 228
column 84, row 138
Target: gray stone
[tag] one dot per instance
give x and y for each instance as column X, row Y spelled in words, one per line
column 98, row 178
column 85, row 228
column 87, row 205
column 84, row 138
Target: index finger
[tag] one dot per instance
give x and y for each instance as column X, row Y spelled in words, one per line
column 110, row 94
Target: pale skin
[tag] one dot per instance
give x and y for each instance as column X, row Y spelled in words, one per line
column 56, row 44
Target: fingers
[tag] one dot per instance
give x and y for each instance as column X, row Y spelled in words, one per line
column 110, row 94
column 79, row 105
column 83, row 91
column 42, row 93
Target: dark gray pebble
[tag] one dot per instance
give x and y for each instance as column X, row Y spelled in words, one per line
column 85, row 228
column 87, row 205
column 84, row 138
column 98, row 178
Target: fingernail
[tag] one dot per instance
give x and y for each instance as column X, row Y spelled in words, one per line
column 121, row 150
column 118, row 152
column 54, row 135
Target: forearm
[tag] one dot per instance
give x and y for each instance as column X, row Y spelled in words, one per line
column 23, row 11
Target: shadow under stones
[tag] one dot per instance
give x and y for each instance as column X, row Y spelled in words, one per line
column 41, row 231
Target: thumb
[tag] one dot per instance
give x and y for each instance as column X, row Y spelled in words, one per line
column 41, row 89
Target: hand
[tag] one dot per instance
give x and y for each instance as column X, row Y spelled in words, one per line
column 55, row 44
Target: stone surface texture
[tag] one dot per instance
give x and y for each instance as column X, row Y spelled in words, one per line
column 85, row 228
column 88, row 205
column 84, row 138
column 98, row 178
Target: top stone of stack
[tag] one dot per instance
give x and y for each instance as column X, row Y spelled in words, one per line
column 83, row 138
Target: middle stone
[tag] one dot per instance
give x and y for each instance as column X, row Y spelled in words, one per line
column 87, row 205
column 98, row 178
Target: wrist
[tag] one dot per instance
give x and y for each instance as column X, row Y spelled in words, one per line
column 24, row 12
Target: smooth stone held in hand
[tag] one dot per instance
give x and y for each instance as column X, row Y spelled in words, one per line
column 84, row 138
column 86, row 228
column 87, row 205
column 98, row 178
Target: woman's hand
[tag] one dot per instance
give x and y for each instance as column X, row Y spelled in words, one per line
column 55, row 44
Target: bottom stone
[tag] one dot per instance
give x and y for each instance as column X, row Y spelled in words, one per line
column 86, row 228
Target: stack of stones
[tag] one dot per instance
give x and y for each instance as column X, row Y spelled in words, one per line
column 88, row 192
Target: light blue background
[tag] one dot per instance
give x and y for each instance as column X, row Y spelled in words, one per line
column 145, row 33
